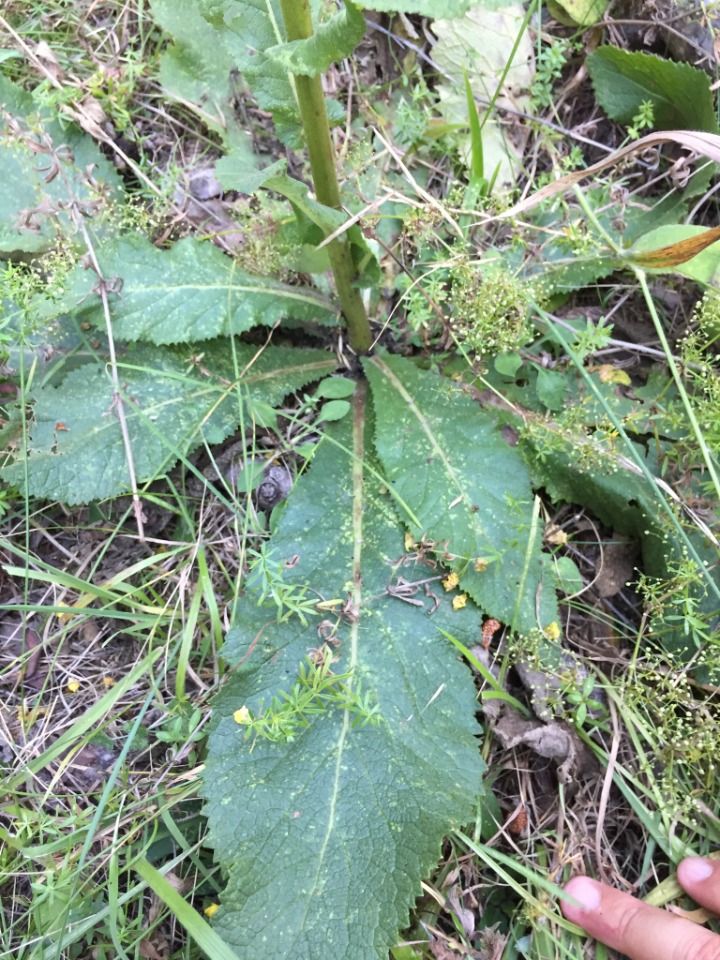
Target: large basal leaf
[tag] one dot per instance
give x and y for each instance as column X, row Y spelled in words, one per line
column 76, row 451
column 33, row 204
column 324, row 839
column 465, row 487
column 192, row 291
column 680, row 94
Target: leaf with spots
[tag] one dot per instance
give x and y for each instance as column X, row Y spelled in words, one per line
column 76, row 451
column 190, row 292
column 34, row 207
column 324, row 838
column 464, row 486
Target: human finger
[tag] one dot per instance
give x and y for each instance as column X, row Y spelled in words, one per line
column 700, row 877
column 635, row 928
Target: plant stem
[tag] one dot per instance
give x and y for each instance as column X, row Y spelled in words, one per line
column 311, row 100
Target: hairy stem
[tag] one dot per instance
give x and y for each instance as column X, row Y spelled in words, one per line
column 311, row 100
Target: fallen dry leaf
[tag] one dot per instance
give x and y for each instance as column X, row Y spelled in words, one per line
column 554, row 740
column 705, row 144
column 148, row 950
column 700, row 915
column 465, row 916
column 676, row 253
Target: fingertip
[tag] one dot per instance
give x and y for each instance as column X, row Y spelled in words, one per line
column 700, row 878
column 586, row 894
column 694, row 870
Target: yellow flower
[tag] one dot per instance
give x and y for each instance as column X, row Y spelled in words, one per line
column 26, row 718
column 64, row 617
column 451, row 581
column 108, row 682
column 211, row 910
column 409, row 541
column 242, row 715
column 459, row 601
column 610, row 374
column 552, row 630
column 73, row 686
column 555, row 535
column 481, row 565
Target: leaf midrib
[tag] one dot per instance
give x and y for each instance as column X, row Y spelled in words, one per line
column 425, row 426
column 287, row 294
column 357, row 466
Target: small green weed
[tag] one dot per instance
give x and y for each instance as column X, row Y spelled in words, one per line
column 491, row 310
column 549, row 65
column 316, row 691
column 644, row 119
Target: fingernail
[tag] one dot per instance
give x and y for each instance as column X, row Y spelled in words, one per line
column 585, row 892
column 695, row 869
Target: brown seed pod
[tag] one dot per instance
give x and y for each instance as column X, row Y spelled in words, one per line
column 519, row 822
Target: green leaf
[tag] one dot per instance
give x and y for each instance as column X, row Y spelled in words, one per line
column 325, row 218
column 508, row 364
column 680, row 94
column 262, row 414
column 619, row 497
column 552, row 388
column 485, row 45
column 198, row 928
column 189, row 292
column 237, row 170
column 335, row 388
column 581, row 12
column 318, row 221
column 213, row 40
column 332, row 41
column 248, row 29
column 562, row 272
column 324, row 839
column 334, row 410
column 34, row 204
column 195, row 68
column 250, row 477
column 76, row 451
column 568, row 577
column 467, row 488
column 477, row 159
